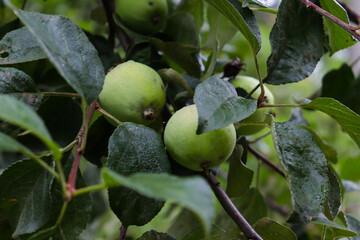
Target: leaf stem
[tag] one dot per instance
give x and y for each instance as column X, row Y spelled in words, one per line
column 323, row 233
column 108, row 114
column 230, row 208
column 88, row 189
column 70, row 187
column 280, row 105
column 69, row 146
column 62, row 180
column 60, row 94
column 251, row 124
column 43, row 164
column 350, row 29
column 267, row 161
column 258, row 174
column 261, row 98
column 62, row 213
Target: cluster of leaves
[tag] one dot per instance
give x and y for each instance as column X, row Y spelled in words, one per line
column 53, row 71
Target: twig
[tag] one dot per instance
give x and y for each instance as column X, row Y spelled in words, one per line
column 70, row 187
column 267, row 161
column 113, row 28
column 230, row 208
column 259, row 138
column 283, row 211
column 350, row 29
column 123, row 231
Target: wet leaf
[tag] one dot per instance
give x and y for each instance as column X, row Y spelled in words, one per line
column 297, row 42
column 219, row 105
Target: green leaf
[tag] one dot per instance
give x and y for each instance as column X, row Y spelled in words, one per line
column 179, row 55
column 8, row 144
column 306, row 167
column 334, row 200
column 297, row 41
column 13, row 80
column 191, row 192
column 211, row 62
column 271, row 230
column 78, row 211
column 239, row 177
column 354, row 225
column 350, row 186
column 172, row 76
column 338, row 38
column 335, row 228
column 5, row 227
column 195, row 7
column 186, row 224
column 258, row 3
column 221, row 29
column 25, row 195
column 68, row 48
column 329, row 151
column 219, row 105
column 19, row 114
column 135, row 148
column 349, row 120
column 153, row 235
column 19, row 46
column 242, row 18
column 341, row 85
column 181, row 27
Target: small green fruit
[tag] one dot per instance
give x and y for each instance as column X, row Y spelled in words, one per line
column 194, row 151
column 133, row 92
column 248, row 84
column 143, row 16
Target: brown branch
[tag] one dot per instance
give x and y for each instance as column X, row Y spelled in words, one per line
column 350, row 29
column 123, row 231
column 71, row 188
column 230, row 208
column 267, row 161
column 114, row 29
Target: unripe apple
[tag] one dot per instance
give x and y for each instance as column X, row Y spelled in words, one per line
column 194, row 151
column 143, row 16
column 133, row 92
column 247, row 84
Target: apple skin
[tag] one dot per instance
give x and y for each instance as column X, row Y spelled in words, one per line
column 248, row 84
column 143, row 16
column 194, row 151
column 133, row 92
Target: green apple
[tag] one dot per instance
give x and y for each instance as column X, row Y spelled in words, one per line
column 247, row 84
column 194, row 151
column 143, row 16
column 133, row 92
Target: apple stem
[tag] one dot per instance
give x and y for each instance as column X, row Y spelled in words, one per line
column 230, row 208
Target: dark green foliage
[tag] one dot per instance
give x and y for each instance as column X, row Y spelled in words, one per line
column 297, row 42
